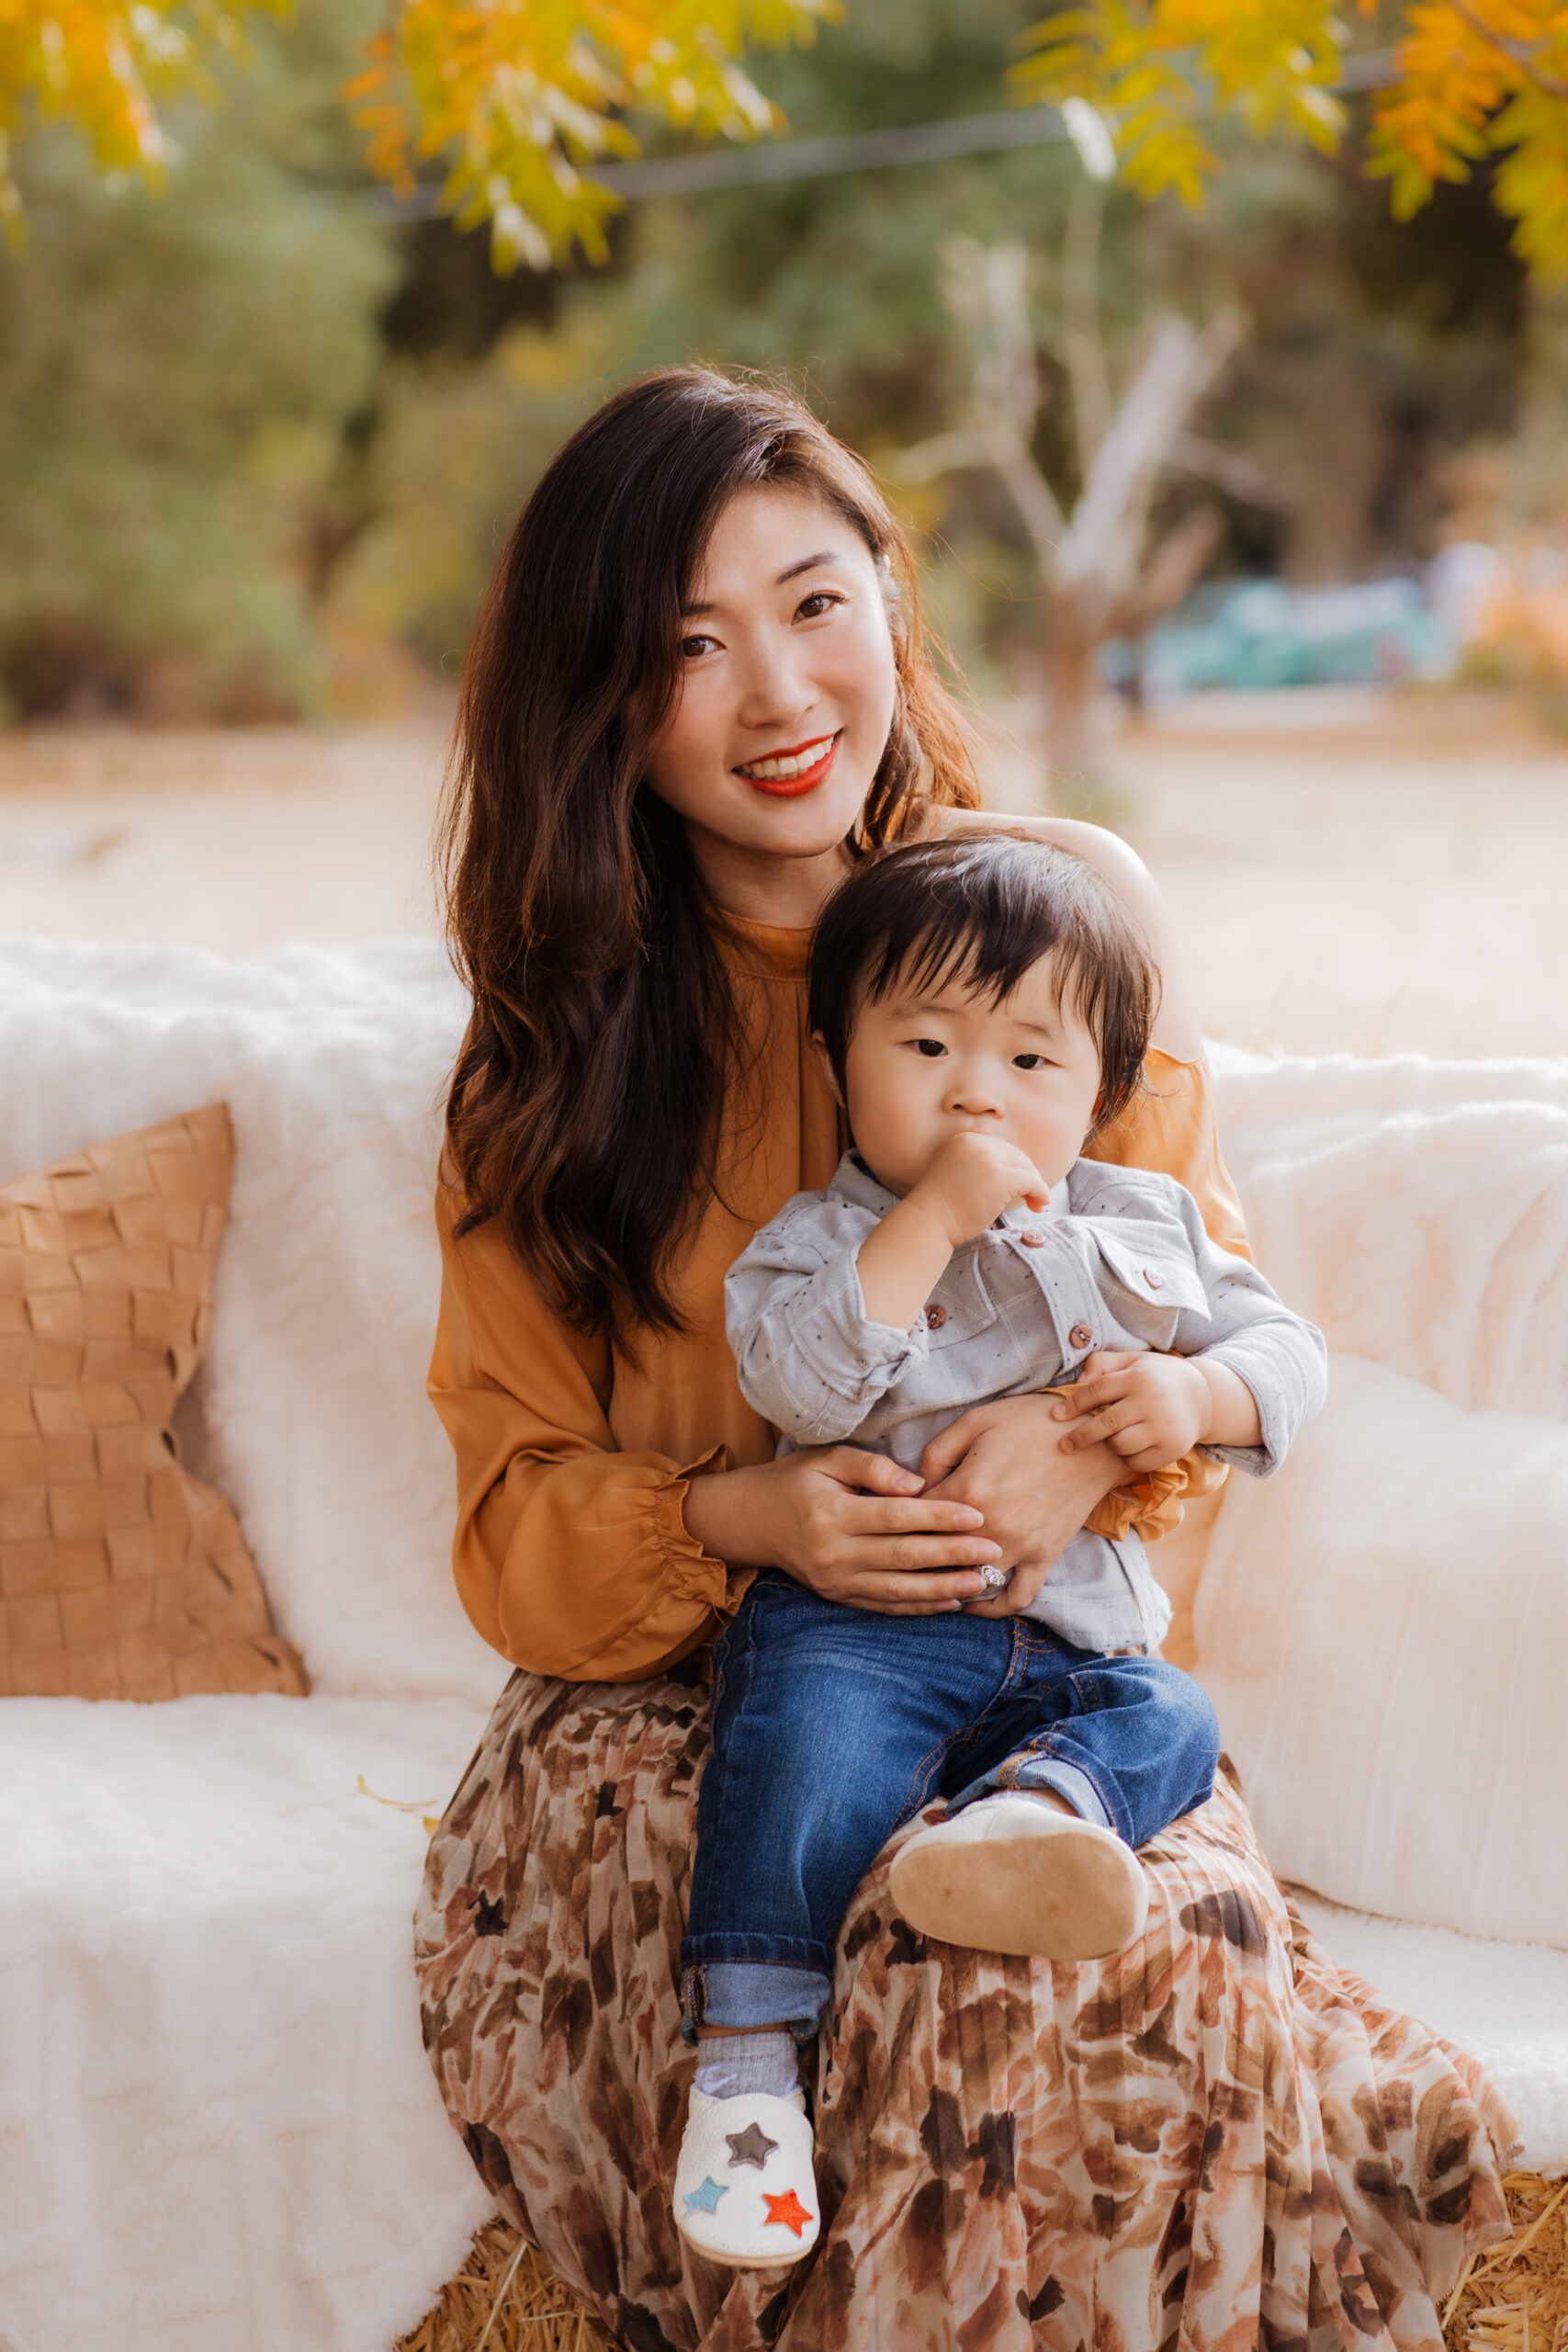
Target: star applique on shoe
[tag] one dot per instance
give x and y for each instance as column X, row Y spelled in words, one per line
column 751, row 2147
column 725, row 2141
column 788, row 2210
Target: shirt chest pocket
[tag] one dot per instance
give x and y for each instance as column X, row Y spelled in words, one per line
column 1150, row 1280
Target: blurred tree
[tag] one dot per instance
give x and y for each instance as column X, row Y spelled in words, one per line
column 517, row 97
column 828, row 280
column 520, row 98
column 186, row 386
column 1469, row 81
column 1103, row 574
column 253, row 420
column 1374, row 350
column 102, row 67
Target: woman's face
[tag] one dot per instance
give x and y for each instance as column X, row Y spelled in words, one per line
column 786, row 689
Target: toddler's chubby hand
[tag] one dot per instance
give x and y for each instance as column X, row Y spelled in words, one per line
column 1151, row 1409
column 971, row 1179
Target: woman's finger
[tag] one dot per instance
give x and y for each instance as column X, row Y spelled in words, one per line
column 907, row 1608
column 869, row 1515
column 1020, row 1590
column 947, row 1450
column 853, row 1467
column 877, row 1588
column 914, row 1555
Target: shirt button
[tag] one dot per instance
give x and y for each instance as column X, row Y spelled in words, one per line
column 1032, row 1240
column 1081, row 1336
column 1155, row 1281
column 935, row 1318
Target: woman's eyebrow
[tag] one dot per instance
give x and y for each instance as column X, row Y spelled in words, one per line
column 807, row 564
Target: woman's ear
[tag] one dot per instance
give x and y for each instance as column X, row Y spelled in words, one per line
column 820, row 1048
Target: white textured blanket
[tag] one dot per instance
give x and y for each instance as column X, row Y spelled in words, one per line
column 218, row 2129
column 217, row 2132
column 1417, row 1210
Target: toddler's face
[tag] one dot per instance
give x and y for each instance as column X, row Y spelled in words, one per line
column 925, row 1065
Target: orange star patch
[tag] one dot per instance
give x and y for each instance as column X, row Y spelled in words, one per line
column 788, row 2210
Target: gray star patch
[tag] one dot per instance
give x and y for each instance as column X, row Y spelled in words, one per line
column 751, row 2147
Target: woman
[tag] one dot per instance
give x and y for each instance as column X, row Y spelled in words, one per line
column 697, row 691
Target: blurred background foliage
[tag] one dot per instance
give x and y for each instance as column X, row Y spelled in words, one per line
column 260, row 437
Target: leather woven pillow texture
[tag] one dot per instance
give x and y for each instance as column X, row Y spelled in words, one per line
column 121, row 1577
column 1382, row 1627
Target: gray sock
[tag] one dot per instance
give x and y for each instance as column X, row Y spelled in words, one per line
column 733, row 2063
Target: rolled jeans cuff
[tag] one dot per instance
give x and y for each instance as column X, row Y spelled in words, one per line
column 753, row 1992
column 1068, row 1782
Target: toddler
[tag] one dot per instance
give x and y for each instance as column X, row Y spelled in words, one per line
column 983, row 1007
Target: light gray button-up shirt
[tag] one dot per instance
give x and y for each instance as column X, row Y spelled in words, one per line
column 1119, row 1260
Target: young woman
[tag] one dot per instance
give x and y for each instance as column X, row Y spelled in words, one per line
column 697, row 693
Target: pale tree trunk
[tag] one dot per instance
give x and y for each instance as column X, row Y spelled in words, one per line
column 1099, row 578
column 1074, row 635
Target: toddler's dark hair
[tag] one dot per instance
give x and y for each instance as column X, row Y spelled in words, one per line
column 980, row 909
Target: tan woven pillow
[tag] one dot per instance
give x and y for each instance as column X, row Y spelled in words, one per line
column 120, row 1576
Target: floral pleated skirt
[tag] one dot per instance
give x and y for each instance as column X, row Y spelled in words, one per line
column 1217, row 2141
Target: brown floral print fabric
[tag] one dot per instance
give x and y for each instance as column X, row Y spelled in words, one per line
column 1216, row 2142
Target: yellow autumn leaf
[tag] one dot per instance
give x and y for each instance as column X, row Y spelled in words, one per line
column 104, row 67
column 520, row 98
column 1473, row 81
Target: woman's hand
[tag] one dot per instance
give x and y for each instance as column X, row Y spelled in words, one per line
column 888, row 1548
column 1009, row 1458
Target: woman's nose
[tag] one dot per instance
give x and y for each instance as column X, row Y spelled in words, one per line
column 775, row 688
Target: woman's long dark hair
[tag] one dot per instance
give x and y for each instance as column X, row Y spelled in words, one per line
column 585, row 1105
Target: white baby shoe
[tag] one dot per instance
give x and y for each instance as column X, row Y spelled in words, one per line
column 745, row 2188
column 1013, row 1873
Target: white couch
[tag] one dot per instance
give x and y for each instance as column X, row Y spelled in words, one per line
column 218, row 2132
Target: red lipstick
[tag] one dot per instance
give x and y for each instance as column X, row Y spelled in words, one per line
column 793, row 788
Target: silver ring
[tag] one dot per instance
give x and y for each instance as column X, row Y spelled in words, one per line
column 993, row 1578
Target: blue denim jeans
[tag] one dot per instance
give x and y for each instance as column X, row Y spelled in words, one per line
column 832, row 1725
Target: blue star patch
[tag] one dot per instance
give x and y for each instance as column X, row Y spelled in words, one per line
column 705, row 2198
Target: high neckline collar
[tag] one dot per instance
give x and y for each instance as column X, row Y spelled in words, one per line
column 780, row 951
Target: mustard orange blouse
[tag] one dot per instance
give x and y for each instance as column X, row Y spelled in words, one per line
column 573, row 1455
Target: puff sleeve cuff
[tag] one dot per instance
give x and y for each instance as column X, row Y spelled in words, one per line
column 571, row 1558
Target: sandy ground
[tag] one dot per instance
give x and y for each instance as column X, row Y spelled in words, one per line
column 1348, row 871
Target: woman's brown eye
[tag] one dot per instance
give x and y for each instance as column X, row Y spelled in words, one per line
column 691, row 646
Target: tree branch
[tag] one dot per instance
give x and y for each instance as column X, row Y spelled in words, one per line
column 944, row 453
column 1517, row 53
column 1105, row 538
column 1227, row 470
column 1083, row 345
column 1169, row 573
